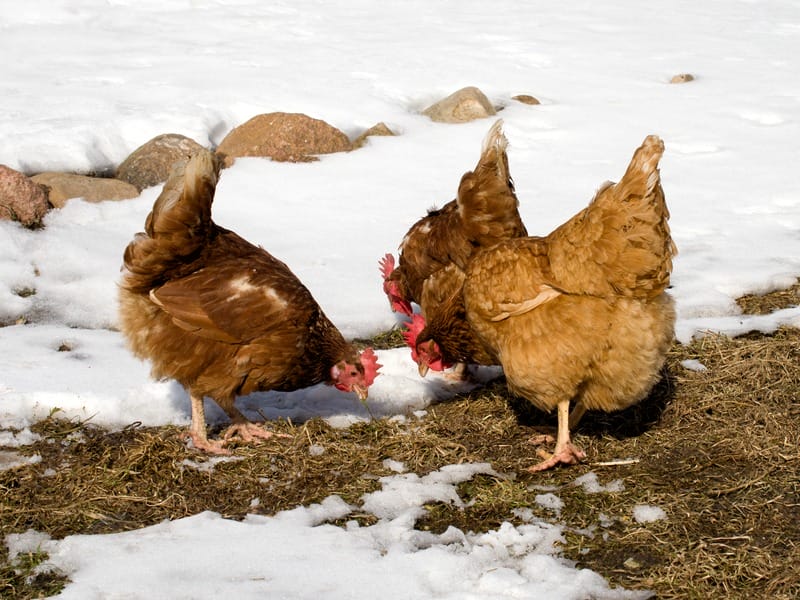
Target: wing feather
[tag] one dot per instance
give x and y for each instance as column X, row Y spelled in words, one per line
column 514, row 309
column 237, row 304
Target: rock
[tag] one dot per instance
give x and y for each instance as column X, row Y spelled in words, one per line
column 149, row 165
column 21, row 199
column 526, row 99
column 63, row 186
column 286, row 137
column 379, row 129
column 682, row 78
column 466, row 104
column 632, row 564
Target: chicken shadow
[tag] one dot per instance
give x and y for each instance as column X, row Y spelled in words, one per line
column 630, row 422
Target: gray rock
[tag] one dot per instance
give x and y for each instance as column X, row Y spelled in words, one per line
column 149, row 165
column 467, row 104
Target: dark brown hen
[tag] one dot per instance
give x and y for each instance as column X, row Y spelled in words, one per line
column 438, row 247
column 221, row 316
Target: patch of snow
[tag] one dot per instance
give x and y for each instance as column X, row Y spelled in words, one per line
column 591, row 484
column 643, row 513
column 692, row 364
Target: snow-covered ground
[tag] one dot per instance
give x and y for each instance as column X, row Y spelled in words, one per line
column 85, row 82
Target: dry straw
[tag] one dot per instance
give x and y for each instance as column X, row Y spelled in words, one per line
column 718, row 450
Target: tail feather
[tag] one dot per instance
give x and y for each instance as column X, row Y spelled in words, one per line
column 178, row 225
column 493, row 152
column 642, row 175
column 183, row 209
column 486, row 200
column 621, row 242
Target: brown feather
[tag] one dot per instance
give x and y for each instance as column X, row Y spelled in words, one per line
column 446, row 319
column 484, row 213
column 218, row 314
column 582, row 314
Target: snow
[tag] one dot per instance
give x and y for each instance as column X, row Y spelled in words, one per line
column 591, row 484
column 12, row 460
column 644, row 513
column 692, row 364
column 550, row 501
column 297, row 554
column 85, row 82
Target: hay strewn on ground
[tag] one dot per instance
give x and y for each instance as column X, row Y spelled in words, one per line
column 718, row 450
column 762, row 305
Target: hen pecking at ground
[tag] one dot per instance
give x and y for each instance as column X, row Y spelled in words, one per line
column 437, row 249
column 222, row 316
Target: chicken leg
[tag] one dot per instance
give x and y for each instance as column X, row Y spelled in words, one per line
column 241, row 427
column 566, row 453
column 197, row 431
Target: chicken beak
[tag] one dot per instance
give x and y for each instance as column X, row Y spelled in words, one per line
column 423, row 369
column 361, row 392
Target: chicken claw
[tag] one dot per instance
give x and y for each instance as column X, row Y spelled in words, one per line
column 246, row 432
column 249, row 432
column 566, row 453
column 569, row 454
column 201, row 442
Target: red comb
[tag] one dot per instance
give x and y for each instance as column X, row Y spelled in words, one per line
column 411, row 333
column 370, row 364
column 386, row 265
column 413, row 329
column 391, row 287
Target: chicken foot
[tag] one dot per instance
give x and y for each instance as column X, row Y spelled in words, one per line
column 565, row 453
column 242, row 428
column 249, row 432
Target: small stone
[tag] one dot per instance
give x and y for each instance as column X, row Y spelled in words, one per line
column 285, row 137
column 682, row 78
column 467, row 104
column 149, row 165
column 21, row 198
column 632, row 564
column 526, row 99
column 63, row 186
column 378, row 129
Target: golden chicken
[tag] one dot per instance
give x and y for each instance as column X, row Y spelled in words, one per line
column 224, row 317
column 484, row 212
column 582, row 315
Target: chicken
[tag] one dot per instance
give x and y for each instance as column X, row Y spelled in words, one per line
column 444, row 338
column 437, row 248
column 582, row 315
column 224, row 317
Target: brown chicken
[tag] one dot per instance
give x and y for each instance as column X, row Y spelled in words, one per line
column 582, row 315
column 224, row 317
column 484, row 212
column 443, row 338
